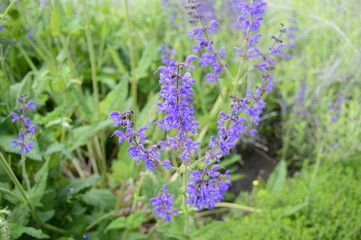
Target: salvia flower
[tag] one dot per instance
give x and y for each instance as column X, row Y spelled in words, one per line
column 207, row 187
column 176, row 90
column 163, row 204
column 137, row 139
column 24, row 141
column 210, row 57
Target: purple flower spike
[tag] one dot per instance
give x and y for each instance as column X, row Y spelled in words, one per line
column 207, row 187
column 163, row 204
column 24, row 142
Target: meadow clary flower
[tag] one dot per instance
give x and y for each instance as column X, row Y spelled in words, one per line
column 27, row 128
column 163, row 204
column 207, row 187
column 137, row 139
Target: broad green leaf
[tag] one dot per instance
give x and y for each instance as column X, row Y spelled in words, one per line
column 102, row 198
column 57, row 147
column 135, row 220
column 79, row 184
column 115, row 100
column 118, row 223
column 131, row 222
column 81, row 135
column 18, row 230
column 82, row 103
column 37, row 192
column 147, row 59
column 277, row 178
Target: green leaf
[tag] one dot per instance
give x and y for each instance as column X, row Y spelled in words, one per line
column 131, row 222
column 118, row 223
column 81, row 135
column 290, row 210
column 18, row 230
column 117, row 61
column 147, row 59
column 277, row 178
column 115, row 100
column 79, row 184
column 55, row 23
column 37, row 192
column 102, row 198
column 135, row 220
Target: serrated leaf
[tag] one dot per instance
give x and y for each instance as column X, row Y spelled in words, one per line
column 115, row 100
column 277, row 178
column 18, row 230
column 102, row 198
column 37, row 191
column 81, row 135
column 147, row 59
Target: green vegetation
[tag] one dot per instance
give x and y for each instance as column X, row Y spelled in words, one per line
column 81, row 60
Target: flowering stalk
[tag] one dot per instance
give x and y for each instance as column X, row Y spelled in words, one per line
column 27, row 128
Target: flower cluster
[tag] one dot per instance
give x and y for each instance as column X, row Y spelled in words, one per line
column 210, row 57
column 27, row 128
column 163, row 204
column 137, row 140
column 207, row 187
column 179, row 113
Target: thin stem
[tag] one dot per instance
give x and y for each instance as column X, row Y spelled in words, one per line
column 7, row 9
column 92, row 58
column 186, row 225
column 133, row 78
column 18, row 185
column 237, row 206
column 22, row 161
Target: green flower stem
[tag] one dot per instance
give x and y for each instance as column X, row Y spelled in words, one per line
column 92, row 58
column 22, row 161
column 185, row 178
column 7, row 9
column 18, row 185
column 133, row 78
column 237, row 206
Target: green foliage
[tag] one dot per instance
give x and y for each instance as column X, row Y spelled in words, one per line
column 327, row 209
column 85, row 183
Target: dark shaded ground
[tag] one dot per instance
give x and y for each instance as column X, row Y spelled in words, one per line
column 255, row 164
